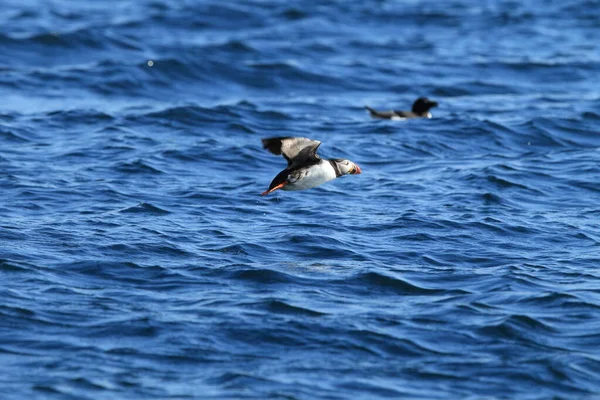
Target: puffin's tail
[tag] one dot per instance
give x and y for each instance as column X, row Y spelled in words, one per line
column 373, row 112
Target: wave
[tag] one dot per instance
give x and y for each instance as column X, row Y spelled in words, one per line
column 517, row 327
column 133, row 236
column 145, row 208
column 11, row 136
column 380, row 283
column 137, row 167
column 262, row 276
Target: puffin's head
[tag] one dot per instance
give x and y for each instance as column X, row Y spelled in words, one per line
column 422, row 105
column 347, row 167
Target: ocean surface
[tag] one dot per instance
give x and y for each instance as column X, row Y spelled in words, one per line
column 138, row 260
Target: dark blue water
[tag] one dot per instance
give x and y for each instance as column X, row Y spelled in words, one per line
column 138, row 260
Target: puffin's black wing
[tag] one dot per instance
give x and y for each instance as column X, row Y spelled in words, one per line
column 381, row 114
column 307, row 157
column 290, row 147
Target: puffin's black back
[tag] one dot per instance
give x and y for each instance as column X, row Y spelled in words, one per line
column 307, row 157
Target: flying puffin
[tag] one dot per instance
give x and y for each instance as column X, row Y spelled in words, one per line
column 305, row 168
column 420, row 109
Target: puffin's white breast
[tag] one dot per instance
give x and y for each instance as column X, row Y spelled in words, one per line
column 311, row 177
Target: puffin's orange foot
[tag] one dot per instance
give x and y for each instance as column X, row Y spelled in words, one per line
column 274, row 189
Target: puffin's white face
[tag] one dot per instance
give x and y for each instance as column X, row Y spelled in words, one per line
column 347, row 167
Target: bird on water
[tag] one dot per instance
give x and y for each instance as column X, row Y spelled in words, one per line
column 420, row 109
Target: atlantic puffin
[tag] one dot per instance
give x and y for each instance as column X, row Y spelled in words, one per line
column 420, row 109
column 305, row 168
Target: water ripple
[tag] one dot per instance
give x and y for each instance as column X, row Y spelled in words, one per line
column 139, row 260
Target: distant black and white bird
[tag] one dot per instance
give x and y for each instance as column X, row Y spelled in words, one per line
column 420, row 109
column 305, row 168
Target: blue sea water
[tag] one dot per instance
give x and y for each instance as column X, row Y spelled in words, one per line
column 138, row 261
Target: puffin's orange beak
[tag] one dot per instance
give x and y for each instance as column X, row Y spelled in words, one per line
column 356, row 171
